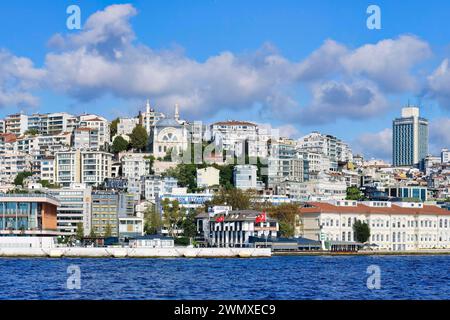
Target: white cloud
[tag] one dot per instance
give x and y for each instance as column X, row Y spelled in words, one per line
column 439, row 135
column 334, row 100
column 389, row 62
column 17, row 77
column 376, row 145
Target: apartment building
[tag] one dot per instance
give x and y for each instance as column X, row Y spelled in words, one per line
column 393, row 226
column 105, row 213
column 135, row 165
column 82, row 166
column 74, row 208
column 99, row 123
column 16, row 123
column 236, row 136
column 245, row 177
column 208, row 177
column 86, row 138
column 153, row 186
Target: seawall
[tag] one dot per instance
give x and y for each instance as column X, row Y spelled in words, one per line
column 177, row 252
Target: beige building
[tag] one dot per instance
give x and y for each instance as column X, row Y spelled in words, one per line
column 208, row 177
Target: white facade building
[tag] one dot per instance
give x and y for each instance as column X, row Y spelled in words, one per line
column 245, row 176
column 393, row 226
column 208, row 177
column 135, row 165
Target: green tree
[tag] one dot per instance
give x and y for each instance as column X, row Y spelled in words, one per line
column 353, row 193
column 80, row 232
column 93, row 234
column 189, row 224
column 18, row 181
column 151, row 160
column 47, row 184
column 285, row 213
column 185, row 174
column 361, row 230
column 113, row 127
column 172, row 216
column 108, row 231
column 236, row 198
column 139, row 138
column 120, row 144
column 31, row 132
column 153, row 221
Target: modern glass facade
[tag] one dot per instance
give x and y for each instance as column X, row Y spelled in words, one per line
column 409, row 139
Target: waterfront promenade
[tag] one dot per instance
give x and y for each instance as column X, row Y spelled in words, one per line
column 112, row 252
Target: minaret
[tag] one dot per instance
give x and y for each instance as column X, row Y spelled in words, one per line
column 177, row 112
column 148, row 106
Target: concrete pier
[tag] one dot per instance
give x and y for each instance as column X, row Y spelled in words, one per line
column 180, row 252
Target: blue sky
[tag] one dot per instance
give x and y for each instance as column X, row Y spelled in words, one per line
column 298, row 65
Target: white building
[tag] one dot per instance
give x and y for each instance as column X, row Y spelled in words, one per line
column 234, row 228
column 126, row 125
column 233, row 136
column 135, row 165
column 149, row 118
column 154, row 186
column 12, row 163
column 335, row 149
column 86, row 138
column 74, row 208
column 445, row 156
column 52, row 123
column 393, row 226
column 99, row 123
column 47, row 169
column 82, row 166
column 16, row 123
column 169, row 135
column 245, row 176
column 208, row 177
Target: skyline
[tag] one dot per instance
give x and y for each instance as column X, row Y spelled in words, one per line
column 231, row 64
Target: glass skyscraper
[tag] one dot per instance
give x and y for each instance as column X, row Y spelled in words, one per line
column 409, row 138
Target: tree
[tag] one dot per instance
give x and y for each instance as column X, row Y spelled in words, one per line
column 139, row 138
column 361, row 230
column 119, row 144
column 153, row 222
column 31, row 132
column 285, row 213
column 172, row 215
column 151, row 161
column 353, row 193
column 92, row 234
column 236, row 198
column 47, row 184
column 113, row 127
column 80, row 231
column 18, row 181
column 108, row 231
column 189, row 224
column 185, row 174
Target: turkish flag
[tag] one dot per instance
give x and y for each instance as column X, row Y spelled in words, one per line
column 261, row 217
column 220, row 219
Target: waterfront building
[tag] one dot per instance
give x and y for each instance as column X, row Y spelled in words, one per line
column 393, row 226
column 234, row 228
column 409, row 138
column 245, row 176
column 131, row 227
column 208, row 177
column 28, row 214
column 105, row 213
column 74, row 208
column 152, row 241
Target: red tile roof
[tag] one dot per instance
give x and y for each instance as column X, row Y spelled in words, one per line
column 234, row 123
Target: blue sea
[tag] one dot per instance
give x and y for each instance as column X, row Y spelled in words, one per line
column 279, row 277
